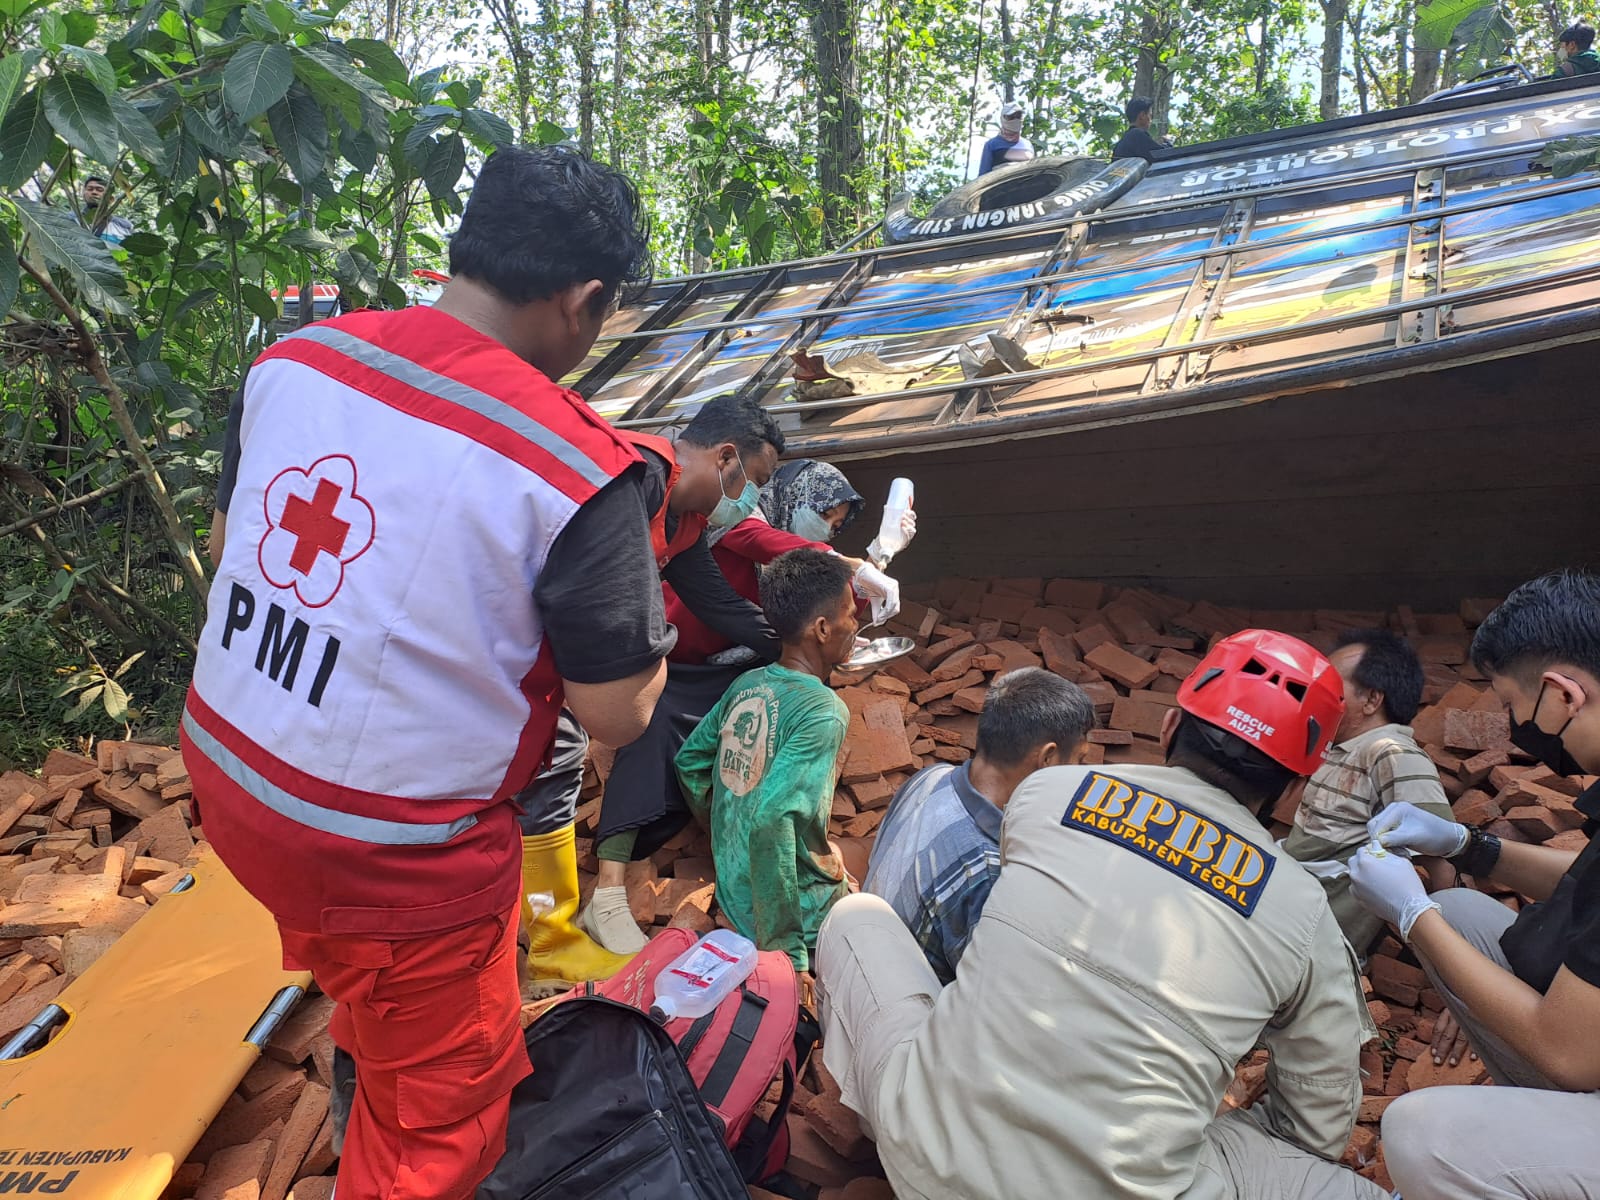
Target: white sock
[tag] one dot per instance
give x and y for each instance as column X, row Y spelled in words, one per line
column 610, row 921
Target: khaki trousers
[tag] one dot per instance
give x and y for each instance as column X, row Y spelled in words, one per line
column 876, row 990
column 1524, row 1139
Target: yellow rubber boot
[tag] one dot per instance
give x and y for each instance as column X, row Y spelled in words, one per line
column 559, row 953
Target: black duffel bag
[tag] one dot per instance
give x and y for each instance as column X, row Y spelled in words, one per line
column 610, row 1111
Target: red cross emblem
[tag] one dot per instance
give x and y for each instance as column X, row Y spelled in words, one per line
column 317, row 525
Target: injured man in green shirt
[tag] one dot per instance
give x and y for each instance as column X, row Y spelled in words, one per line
column 759, row 770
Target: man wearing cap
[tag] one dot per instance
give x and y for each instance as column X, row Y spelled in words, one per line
column 1144, row 935
column 1007, row 146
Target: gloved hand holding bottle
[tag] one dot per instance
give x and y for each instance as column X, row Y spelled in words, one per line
column 884, row 593
column 1406, row 827
column 899, row 524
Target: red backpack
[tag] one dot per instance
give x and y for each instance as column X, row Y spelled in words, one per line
column 758, row 1034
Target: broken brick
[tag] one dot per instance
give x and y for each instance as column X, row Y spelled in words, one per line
column 1116, row 663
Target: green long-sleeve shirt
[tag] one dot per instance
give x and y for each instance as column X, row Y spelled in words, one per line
column 758, row 772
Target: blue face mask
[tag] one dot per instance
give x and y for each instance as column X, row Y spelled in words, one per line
column 731, row 510
column 811, row 525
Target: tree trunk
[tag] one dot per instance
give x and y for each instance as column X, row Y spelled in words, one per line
column 619, row 71
column 1008, row 54
column 550, row 54
column 1358, row 56
column 506, row 20
column 1152, row 78
column 586, row 79
column 1041, row 88
column 1425, row 75
column 840, row 143
column 1334, row 13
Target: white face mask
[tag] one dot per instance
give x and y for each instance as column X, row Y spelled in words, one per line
column 811, row 525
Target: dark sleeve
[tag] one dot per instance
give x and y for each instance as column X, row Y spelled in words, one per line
column 706, row 592
column 986, row 160
column 1583, row 948
column 598, row 595
column 230, row 451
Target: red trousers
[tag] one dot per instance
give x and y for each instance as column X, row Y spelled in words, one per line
column 432, row 1025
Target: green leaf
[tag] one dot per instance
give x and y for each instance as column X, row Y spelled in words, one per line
column 360, row 150
column 259, row 23
column 1565, row 157
column 86, row 258
column 548, row 134
column 256, row 78
column 487, row 128
column 80, row 26
column 25, row 137
column 301, row 131
column 81, row 114
column 14, row 70
column 143, row 244
column 308, row 240
column 446, row 161
column 379, row 58
column 95, row 66
column 1437, row 20
column 195, row 299
column 10, row 273
column 85, row 699
column 52, row 31
column 336, row 83
column 355, row 273
column 258, row 301
column 115, row 701
column 138, row 134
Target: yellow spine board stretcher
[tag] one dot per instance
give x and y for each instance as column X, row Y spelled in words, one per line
column 151, row 1040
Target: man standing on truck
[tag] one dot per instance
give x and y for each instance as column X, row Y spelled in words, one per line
column 425, row 547
column 1138, row 141
column 1007, row 146
column 1524, row 987
column 1143, row 936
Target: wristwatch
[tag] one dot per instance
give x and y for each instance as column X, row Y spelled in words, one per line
column 1479, row 856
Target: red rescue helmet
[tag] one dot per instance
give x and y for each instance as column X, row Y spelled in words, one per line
column 1272, row 691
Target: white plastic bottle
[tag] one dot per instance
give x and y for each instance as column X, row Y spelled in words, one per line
column 892, row 537
column 703, row 976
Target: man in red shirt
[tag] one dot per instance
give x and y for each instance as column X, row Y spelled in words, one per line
column 425, row 547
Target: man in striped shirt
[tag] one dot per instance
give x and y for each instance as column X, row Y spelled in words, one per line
column 938, row 851
column 1374, row 762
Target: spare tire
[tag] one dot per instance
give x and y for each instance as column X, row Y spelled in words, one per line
column 1040, row 191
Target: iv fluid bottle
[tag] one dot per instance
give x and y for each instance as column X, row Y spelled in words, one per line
column 891, row 537
column 703, row 976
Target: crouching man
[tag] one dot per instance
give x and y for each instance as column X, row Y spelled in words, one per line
column 1144, row 935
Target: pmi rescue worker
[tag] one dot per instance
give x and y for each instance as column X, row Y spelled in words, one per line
column 937, row 853
column 1525, row 988
column 1007, row 146
column 1575, row 51
column 1137, row 141
column 1374, row 762
column 1144, row 935
column 428, row 547
column 721, row 459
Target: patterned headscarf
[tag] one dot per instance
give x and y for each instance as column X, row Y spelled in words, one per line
column 806, row 483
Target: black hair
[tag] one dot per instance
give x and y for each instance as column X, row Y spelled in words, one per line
column 727, row 418
column 1028, row 707
column 1136, row 108
column 1548, row 621
column 101, row 179
column 1582, row 32
column 1228, row 762
column 1388, row 665
column 543, row 218
column 800, row 586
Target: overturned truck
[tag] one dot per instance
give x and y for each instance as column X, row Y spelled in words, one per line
column 1344, row 363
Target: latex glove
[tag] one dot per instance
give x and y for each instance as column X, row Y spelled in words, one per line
column 1407, row 827
column 1388, row 886
column 908, row 530
column 872, row 584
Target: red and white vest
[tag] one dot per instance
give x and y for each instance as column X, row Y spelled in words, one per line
column 690, row 525
column 373, row 682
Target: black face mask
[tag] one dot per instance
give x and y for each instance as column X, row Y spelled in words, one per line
column 1548, row 748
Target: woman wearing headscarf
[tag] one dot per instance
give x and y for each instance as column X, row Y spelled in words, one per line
column 805, row 506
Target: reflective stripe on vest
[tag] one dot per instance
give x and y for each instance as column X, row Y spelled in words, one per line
column 314, row 816
column 445, row 388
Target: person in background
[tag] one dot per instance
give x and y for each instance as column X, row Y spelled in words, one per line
column 759, row 771
column 1524, row 987
column 805, row 506
column 1137, row 141
column 1575, row 51
column 1374, row 762
column 425, row 547
column 111, row 228
column 1145, row 934
column 937, row 853
column 1007, row 146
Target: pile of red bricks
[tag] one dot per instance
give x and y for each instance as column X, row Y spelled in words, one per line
column 87, row 846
